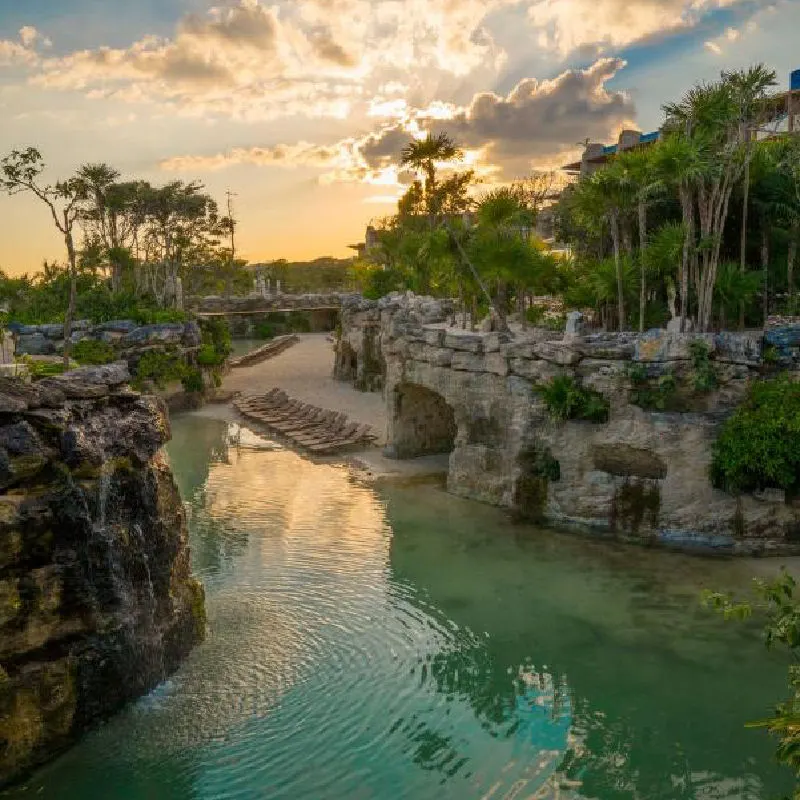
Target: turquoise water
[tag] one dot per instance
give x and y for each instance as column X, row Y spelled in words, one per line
column 402, row 643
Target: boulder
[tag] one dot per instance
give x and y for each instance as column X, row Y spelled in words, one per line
column 192, row 335
column 163, row 333
column 35, row 344
column 564, row 354
column 659, row 345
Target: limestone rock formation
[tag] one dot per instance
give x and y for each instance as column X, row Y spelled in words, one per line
column 97, row 602
column 642, row 476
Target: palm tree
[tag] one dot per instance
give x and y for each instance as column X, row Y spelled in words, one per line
column 713, row 119
column 679, row 161
column 423, row 155
column 748, row 88
column 613, row 192
column 637, row 165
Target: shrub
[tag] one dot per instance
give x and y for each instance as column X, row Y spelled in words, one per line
column 758, row 447
column 661, row 395
column 44, row 369
column 192, row 380
column 217, row 334
column 566, row 399
column 705, row 376
column 90, row 351
column 264, row 330
column 161, row 368
column 207, row 356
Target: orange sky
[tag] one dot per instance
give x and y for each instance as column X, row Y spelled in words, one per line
column 301, row 107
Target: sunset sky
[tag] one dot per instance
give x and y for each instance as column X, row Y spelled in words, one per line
column 301, row 107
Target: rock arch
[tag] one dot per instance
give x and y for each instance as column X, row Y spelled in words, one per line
column 422, row 422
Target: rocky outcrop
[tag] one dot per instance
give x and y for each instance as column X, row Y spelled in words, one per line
column 128, row 338
column 641, row 476
column 97, row 602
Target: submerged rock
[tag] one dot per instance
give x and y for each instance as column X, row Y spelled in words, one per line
column 97, row 602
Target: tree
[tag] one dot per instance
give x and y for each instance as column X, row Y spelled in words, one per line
column 424, row 155
column 708, row 119
column 112, row 215
column 637, row 171
column 748, row 88
column 775, row 601
column 608, row 194
column 22, row 172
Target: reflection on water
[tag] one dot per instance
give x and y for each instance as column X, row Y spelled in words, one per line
column 406, row 644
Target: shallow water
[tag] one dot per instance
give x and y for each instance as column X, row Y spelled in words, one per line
column 241, row 347
column 402, row 643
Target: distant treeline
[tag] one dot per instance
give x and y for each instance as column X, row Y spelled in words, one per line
column 297, row 277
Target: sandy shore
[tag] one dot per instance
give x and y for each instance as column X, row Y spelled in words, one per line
column 304, row 371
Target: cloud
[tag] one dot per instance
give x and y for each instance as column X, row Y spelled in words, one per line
column 719, row 45
column 23, row 51
column 536, row 123
column 540, row 120
column 565, row 27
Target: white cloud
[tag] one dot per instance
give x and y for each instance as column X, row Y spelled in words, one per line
column 537, row 122
column 566, row 26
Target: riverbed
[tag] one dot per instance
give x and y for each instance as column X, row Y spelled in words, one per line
column 396, row 642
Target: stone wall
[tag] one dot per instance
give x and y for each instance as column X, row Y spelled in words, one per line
column 641, row 476
column 127, row 337
column 97, row 603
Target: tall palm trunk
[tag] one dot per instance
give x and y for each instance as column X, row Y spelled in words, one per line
column 618, row 268
column 765, row 267
column 743, row 242
column 642, row 247
column 791, row 257
column 688, row 235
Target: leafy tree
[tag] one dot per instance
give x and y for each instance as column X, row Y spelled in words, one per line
column 775, row 601
column 22, row 172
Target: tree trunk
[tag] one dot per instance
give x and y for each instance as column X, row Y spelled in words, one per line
column 688, row 221
column 790, row 259
column 478, row 280
column 765, row 267
column 642, row 248
column 743, row 242
column 618, row 266
column 73, row 295
column 521, row 306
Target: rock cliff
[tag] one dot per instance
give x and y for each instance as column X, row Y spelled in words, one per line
column 97, row 602
column 642, row 475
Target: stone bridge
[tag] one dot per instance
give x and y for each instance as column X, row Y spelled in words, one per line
column 321, row 311
column 642, row 475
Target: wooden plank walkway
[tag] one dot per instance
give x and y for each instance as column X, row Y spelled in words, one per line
column 310, row 427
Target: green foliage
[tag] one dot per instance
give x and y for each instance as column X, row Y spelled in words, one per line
column 703, row 371
column 661, row 395
column 160, row 368
column 301, row 277
column 775, row 601
column 264, row 330
column 44, row 369
column 217, row 341
column 770, row 355
column 192, row 380
column 207, row 356
column 758, row 447
column 91, row 351
column 540, row 462
column 566, row 399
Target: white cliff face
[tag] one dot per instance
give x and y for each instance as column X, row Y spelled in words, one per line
column 641, row 476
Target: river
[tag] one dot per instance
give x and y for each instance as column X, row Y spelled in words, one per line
column 401, row 643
